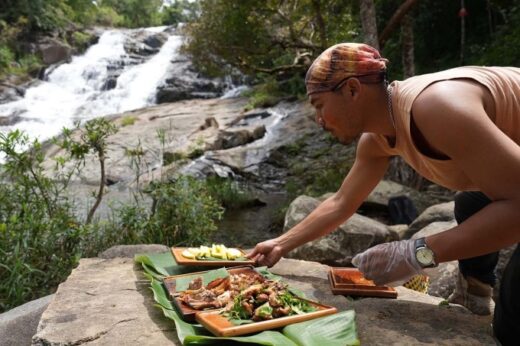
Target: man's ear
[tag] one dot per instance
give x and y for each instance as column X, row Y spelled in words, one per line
column 353, row 87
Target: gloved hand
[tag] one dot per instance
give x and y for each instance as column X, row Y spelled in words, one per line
column 389, row 263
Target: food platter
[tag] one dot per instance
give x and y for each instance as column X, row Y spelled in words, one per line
column 180, row 259
column 221, row 326
column 350, row 281
column 223, row 313
column 173, row 283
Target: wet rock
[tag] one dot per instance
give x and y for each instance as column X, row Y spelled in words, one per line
column 11, row 120
column 110, row 83
column 354, row 236
column 231, row 139
column 155, row 41
column 10, row 92
column 53, row 51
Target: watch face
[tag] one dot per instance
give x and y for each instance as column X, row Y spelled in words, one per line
column 424, row 256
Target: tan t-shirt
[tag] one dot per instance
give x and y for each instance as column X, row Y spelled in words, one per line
column 504, row 86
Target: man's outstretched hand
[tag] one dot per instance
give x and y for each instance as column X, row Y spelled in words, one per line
column 266, row 253
column 392, row 262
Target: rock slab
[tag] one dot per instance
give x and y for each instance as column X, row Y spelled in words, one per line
column 18, row 325
column 104, row 302
column 108, row 302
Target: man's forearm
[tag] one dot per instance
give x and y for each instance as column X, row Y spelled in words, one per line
column 494, row 227
column 323, row 220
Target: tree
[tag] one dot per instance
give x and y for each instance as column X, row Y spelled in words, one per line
column 266, row 37
column 136, row 13
column 367, row 13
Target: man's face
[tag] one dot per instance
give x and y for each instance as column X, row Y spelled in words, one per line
column 334, row 114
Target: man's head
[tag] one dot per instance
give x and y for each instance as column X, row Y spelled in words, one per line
column 335, row 82
column 342, row 61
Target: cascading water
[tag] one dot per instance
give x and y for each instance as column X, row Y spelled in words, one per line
column 75, row 91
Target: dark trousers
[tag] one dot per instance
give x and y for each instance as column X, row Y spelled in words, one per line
column 506, row 321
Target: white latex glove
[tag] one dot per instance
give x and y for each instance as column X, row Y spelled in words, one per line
column 389, row 263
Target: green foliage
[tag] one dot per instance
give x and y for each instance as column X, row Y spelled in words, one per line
column 505, row 46
column 42, row 237
column 128, row 120
column 269, row 37
column 185, row 211
column 180, row 11
column 135, row 13
column 6, row 57
column 271, row 91
column 38, row 232
column 107, row 16
column 169, row 158
column 81, row 40
column 229, row 193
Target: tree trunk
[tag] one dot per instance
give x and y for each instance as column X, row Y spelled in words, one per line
column 320, row 23
column 462, row 33
column 399, row 170
column 395, row 21
column 407, row 46
column 368, row 22
column 99, row 195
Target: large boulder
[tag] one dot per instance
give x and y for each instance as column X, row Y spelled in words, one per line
column 443, row 277
column 129, row 251
column 18, row 325
column 354, row 236
column 54, row 51
column 387, row 189
column 108, row 302
column 104, row 302
column 438, row 212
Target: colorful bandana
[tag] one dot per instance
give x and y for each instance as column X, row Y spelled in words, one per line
column 340, row 62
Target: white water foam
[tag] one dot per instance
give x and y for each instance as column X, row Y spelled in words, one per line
column 74, row 92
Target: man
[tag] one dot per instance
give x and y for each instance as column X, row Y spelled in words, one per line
column 459, row 128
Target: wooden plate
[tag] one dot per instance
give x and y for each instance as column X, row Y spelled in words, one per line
column 188, row 313
column 221, row 326
column 350, row 281
column 180, row 259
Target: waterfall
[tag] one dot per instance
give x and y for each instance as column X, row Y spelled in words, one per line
column 75, row 91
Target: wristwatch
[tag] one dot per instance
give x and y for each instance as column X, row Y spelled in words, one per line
column 424, row 255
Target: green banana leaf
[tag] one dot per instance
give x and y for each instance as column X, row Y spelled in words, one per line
column 337, row 329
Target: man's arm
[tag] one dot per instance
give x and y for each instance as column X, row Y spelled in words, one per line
column 452, row 118
column 367, row 171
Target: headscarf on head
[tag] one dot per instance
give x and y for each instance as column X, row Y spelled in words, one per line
column 341, row 61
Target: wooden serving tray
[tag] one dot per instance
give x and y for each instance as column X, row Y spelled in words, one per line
column 350, row 282
column 188, row 313
column 180, row 259
column 221, row 326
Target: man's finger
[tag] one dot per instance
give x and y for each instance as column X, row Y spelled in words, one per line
column 252, row 254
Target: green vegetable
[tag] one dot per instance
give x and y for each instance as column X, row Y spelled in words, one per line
column 264, row 311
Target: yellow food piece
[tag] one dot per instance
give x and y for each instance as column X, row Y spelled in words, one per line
column 233, row 253
column 188, row 254
column 216, row 250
